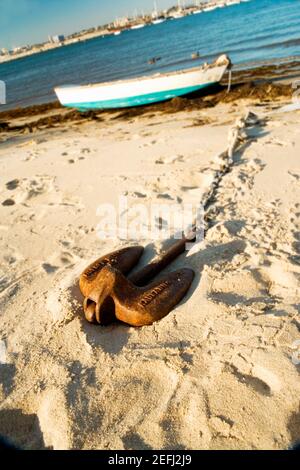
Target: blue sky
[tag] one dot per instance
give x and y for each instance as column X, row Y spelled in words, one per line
column 31, row 21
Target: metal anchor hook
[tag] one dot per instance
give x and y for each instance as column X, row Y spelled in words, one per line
column 109, row 294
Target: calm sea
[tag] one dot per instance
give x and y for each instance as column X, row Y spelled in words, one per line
column 258, row 31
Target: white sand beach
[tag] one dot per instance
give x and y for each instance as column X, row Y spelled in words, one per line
column 220, row 371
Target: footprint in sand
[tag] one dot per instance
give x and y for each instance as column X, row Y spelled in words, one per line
column 8, row 203
column 139, row 195
column 165, row 196
column 12, row 185
column 170, row 160
column 260, row 379
column 49, row 268
column 295, row 217
column 31, row 156
column 72, row 161
column 11, row 284
column 148, row 392
column 247, row 290
column 295, row 174
column 85, row 151
column 245, row 177
column 135, row 194
column 283, row 278
column 149, row 144
column 59, row 261
column 26, row 189
column 294, row 256
column 188, row 188
column 188, row 429
column 63, row 299
column 280, row 143
column 10, row 256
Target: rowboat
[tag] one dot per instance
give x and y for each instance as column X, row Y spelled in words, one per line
column 138, row 26
column 158, row 21
column 177, row 15
column 156, row 18
column 142, row 90
column 210, row 8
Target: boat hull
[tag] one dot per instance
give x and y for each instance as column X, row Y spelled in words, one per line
column 141, row 100
column 140, row 91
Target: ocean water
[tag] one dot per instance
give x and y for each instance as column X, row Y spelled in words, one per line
column 253, row 32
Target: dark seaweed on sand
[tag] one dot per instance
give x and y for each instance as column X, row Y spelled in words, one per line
column 257, row 84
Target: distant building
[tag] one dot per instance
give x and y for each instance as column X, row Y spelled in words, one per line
column 121, row 22
column 57, row 39
column 18, row 50
column 3, row 51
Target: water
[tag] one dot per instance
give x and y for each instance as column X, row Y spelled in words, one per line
column 259, row 31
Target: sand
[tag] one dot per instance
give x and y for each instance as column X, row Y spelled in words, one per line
column 219, row 372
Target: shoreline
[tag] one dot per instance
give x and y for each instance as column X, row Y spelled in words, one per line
column 259, row 83
column 285, row 72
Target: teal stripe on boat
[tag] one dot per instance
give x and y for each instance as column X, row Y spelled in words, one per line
column 138, row 100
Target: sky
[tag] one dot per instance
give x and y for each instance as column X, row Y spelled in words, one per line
column 31, row 21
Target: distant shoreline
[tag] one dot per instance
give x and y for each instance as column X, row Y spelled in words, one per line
column 112, row 30
column 51, row 47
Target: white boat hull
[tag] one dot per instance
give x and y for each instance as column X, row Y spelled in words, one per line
column 141, row 91
column 158, row 21
column 138, row 26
